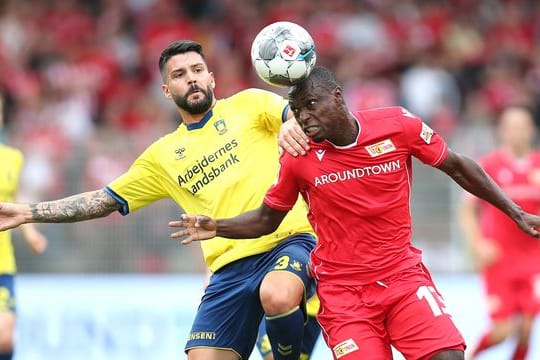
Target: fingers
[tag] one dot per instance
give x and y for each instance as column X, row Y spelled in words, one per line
column 180, row 233
column 184, row 223
column 293, row 140
column 187, row 240
column 294, row 144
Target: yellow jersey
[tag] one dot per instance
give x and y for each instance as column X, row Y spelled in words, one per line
column 11, row 163
column 220, row 167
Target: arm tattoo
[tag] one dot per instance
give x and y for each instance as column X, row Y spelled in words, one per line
column 85, row 206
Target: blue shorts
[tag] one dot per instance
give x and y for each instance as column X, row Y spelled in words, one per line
column 7, row 293
column 312, row 330
column 230, row 311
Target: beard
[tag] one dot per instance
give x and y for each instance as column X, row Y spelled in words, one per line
column 196, row 107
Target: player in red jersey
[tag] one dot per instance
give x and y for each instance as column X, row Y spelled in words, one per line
column 508, row 259
column 373, row 288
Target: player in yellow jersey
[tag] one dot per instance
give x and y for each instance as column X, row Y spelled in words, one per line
column 11, row 163
column 219, row 161
column 312, row 330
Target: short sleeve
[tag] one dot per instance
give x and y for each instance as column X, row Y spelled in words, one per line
column 425, row 144
column 138, row 187
column 283, row 194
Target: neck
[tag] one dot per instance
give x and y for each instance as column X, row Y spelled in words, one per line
column 518, row 151
column 348, row 133
column 188, row 118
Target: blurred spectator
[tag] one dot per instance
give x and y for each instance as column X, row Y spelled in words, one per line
column 79, row 75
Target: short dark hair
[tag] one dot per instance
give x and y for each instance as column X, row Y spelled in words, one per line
column 320, row 77
column 178, row 47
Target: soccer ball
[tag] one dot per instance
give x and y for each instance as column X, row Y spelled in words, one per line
column 283, row 53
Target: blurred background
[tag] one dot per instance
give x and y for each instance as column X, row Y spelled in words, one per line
column 83, row 99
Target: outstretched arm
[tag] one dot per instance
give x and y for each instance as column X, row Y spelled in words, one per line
column 470, row 176
column 251, row 224
column 85, row 206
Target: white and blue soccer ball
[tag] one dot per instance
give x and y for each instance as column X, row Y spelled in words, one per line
column 283, row 53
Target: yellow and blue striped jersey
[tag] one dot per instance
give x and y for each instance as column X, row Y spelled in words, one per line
column 221, row 167
column 11, row 163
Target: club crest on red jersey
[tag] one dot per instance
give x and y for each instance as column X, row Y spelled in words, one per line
column 426, row 133
column 344, row 348
column 380, row 148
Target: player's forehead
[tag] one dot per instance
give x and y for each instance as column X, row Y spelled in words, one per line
column 301, row 94
column 185, row 60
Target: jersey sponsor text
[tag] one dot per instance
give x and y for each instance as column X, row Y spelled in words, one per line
column 357, row 173
column 207, row 169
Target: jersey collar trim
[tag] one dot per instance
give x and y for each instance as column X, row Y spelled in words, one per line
column 201, row 123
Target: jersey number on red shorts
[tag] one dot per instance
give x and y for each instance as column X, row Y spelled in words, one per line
column 434, row 300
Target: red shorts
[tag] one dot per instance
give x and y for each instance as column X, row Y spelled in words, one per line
column 404, row 310
column 508, row 296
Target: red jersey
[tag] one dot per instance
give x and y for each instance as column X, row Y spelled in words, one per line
column 358, row 195
column 520, row 180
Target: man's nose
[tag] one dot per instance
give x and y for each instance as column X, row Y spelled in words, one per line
column 191, row 79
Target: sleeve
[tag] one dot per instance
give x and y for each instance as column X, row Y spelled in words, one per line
column 271, row 108
column 425, row 144
column 283, row 194
column 141, row 185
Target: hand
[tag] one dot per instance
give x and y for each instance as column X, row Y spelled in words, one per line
column 11, row 216
column 37, row 242
column 486, row 252
column 292, row 139
column 529, row 223
column 195, row 227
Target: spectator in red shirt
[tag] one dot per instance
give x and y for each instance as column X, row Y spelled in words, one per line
column 508, row 258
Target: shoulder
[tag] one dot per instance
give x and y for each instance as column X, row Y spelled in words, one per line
column 164, row 142
column 286, row 160
column 11, row 152
column 395, row 119
column 386, row 113
column 250, row 94
column 536, row 155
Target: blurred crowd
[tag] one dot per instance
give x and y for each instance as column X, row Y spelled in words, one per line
column 82, row 86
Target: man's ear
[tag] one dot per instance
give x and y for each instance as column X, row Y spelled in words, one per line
column 213, row 80
column 165, row 91
column 337, row 93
